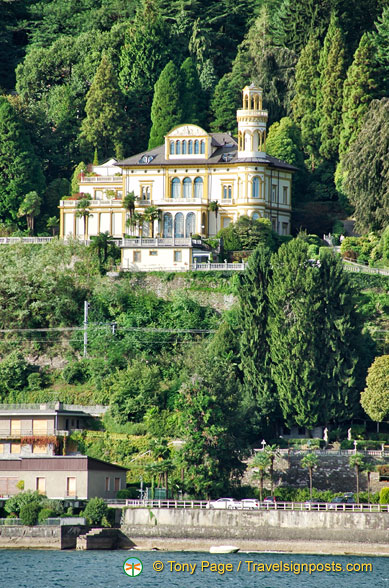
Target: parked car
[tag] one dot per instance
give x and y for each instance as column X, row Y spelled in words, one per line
column 271, row 499
column 249, row 503
column 269, row 502
column 315, row 504
column 338, row 502
column 224, row 503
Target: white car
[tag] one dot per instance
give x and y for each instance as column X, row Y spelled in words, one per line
column 249, row 503
column 224, row 503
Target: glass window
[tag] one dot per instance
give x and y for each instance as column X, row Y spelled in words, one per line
column 198, row 188
column 15, row 447
column 39, row 427
column 41, row 485
column 107, row 484
column 171, row 147
column 153, row 253
column 71, row 486
column 175, row 188
column 190, row 224
column 256, row 187
column 273, row 193
column 184, row 147
column 177, row 256
column 285, row 195
column 178, row 147
column 179, row 225
column 196, row 146
column 117, row 484
column 136, row 256
column 284, row 228
column 15, row 426
column 167, row 225
column 202, row 147
column 39, row 448
column 190, row 146
column 255, row 216
column 187, row 188
column 227, row 192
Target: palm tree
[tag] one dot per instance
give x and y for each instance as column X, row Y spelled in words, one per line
column 129, row 203
column 151, row 213
column 357, row 462
column 213, row 206
column 83, row 212
column 261, row 462
column 368, row 469
column 52, row 223
column 310, row 462
column 272, row 452
column 102, row 243
column 30, row 208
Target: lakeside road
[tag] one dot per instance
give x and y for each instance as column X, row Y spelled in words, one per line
column 301, row 547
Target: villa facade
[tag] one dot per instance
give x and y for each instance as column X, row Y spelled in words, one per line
column 182, row 177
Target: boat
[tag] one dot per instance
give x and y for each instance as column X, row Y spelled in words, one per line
column 223, row 549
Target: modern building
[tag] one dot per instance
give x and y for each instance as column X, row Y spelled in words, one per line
column 200, row 182
column 35, row 454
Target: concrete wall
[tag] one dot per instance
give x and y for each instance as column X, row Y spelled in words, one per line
column 258, row 525
column 40, row 537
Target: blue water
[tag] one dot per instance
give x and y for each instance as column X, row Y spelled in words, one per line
column 104, row 569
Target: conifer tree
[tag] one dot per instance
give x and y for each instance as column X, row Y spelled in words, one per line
column 330, row 96
column 102, row 127
column 166, row 111
column 259, row 392
column 20, row 171
column 192, row 96
column 304, row 102
column 360, row 87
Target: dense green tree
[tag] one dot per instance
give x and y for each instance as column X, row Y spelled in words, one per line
column 247, row 233
column 260, row 465
column 211, row 426
column 30, row 208
column 258, row 387
column 167, row 110
column 75, row 183
column 381, row 40
column 105, row 116
column 366, row 169
column 20, row 172
column 96, row 512
column 226, row 99
column 330, row 96
column 297, row 20
column 55, row 191
column 192, row 96
column 304, row 102
column 314, row 337
column 146, row 51
column 362, row 85
column 375, row 397
column 310, row 461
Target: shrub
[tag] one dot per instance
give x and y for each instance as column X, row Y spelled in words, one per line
column 44, row 514
column 128, row 493
column 76, row 372
column 384, row 495
column 16, row 503
column 95, row 511
column 29, row 513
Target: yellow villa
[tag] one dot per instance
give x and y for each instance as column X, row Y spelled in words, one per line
column 182, row 178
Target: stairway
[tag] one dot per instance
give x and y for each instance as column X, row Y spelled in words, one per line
column 98, row 538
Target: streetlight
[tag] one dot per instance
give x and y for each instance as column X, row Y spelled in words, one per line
column 263, row 443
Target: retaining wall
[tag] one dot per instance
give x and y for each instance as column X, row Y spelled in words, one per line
column 39, row 537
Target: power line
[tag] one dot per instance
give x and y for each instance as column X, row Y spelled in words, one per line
column 109, row 326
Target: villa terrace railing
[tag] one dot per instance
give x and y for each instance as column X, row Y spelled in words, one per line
column 94, row 409
column 25, row 240
column 205, row 504
column 161, row 242
column 202, row 267
column 101, row 179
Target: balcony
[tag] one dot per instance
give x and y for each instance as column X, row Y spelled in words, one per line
column 115, row 202
column 6, row 435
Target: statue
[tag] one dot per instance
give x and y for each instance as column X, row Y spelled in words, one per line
column 349, row 434
column 325, row 435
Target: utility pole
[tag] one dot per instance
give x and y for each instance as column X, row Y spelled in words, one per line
column 86, row 308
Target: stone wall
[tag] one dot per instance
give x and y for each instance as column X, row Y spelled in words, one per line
column 39, row 537
column 275, row 525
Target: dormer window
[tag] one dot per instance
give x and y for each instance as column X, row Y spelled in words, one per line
column 171, row 147
column 146, row 159
column 202, row 147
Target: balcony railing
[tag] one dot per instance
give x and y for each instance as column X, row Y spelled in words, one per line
column 25, row 240
column 117, row 202
column 161, row 242
column 5, row 434
column 101, row 179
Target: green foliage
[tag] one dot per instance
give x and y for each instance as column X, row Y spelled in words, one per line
column 96, row 511
column 105, row 118
column 20, row 171
column 366, row 168
column 30, row 208
column 29, row 513
column 384, row 496
column 22, row 499
column 75, row 188
column 375, row 398
column 192, row 95
column 44, row 514
column 166, row 110
column 14, row 372
column 247, row 233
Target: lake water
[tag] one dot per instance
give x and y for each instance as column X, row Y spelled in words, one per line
column 104, row 569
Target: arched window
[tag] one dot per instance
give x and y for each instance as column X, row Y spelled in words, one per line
column 255, row 189
column 175, row 188
column 202, row 147
column 190, row 146
column 178, row 147
column 196, row 146
column 179, row 225
column 184, row 148
column 171, row 147
column 255, row 216
column 167, row 225
column 187, row 188
column 198, row 188
column 190, row 224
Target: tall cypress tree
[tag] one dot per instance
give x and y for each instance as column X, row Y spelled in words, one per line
column 20, row 171
column 102, row 127
column 381, row 41
column 167, row 110
column 304, row 102
column 362, row 85
column 330, row 97
column 192, row 96
column 260, row 398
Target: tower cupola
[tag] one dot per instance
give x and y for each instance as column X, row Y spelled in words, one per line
column 252, row 121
